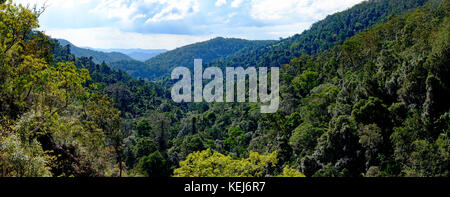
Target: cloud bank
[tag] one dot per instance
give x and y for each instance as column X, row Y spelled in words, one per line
column 173, row 23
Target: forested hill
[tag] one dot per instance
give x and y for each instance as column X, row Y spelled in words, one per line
column 215, row 49
column 324, row 34
column 98, row 56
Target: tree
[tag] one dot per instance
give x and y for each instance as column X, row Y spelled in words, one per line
column 289, row 172
column 145, row 146
column 153, row 165
column 304, row 138
column 236, row 141
column 101, row 111
column 370, row 111
column 209, row 163
column 371, row 138
column 144, row 128
column 305, row 82
column 191, row 144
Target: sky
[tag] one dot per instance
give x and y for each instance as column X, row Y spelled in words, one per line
column 169, row 24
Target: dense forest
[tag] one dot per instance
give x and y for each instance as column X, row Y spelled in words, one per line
column 364, row 94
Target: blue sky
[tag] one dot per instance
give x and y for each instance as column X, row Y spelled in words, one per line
column 168, row 24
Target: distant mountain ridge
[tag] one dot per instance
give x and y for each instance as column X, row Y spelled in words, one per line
column 137, row 54
column 98, row 56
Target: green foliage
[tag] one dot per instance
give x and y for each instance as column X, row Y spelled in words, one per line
column 208, row 163
column 134, row 68
column 21, row 160
column 328, row 171
column 144, row 128
column 236, row 141
column 153, row 165
column 370, row 111
column 49, row 124
column 192, row 143
column 305, row 82
column 304, row 138
column 145, row 146
column 289, row 172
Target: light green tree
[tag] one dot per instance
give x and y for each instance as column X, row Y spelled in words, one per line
column 209, row 163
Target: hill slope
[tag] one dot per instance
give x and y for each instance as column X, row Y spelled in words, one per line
column 375, row 105
column 215, row 49
column 136, row 69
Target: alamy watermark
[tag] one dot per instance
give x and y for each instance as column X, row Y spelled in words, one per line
column 214, row 90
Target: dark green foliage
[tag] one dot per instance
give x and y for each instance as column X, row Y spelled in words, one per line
column 304, row 138
column 236, row 141
column 340, row 26
column 145, row 146
column 144, row 128
column 134, row 68
column 153, row 165
column 305, row 82
column 192, row 143
column 371, row 111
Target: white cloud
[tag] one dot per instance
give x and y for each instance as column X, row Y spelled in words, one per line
column 176, row 10
column 295, row 10
column 105, row 37
column 117, row 9
column 220, row 3
column 152, row 10
column 236, row 3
